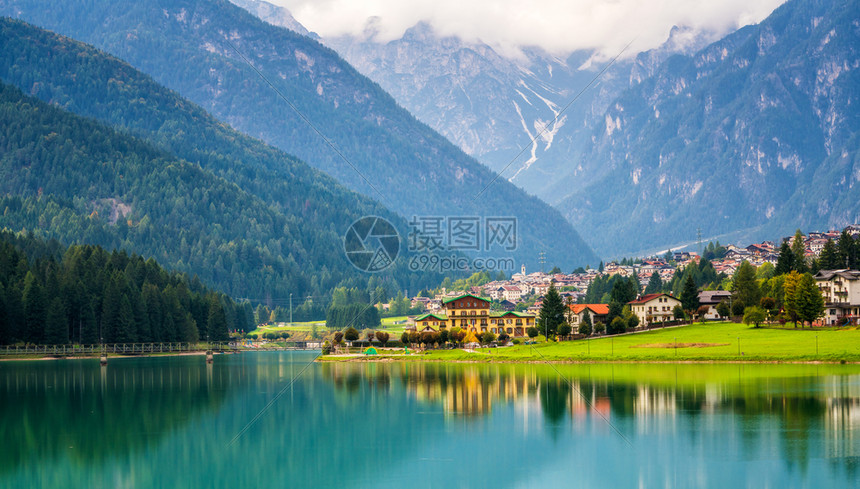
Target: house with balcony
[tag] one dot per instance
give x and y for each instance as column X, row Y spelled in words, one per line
column 841, row 291
column 654, row 308
column 472, row 312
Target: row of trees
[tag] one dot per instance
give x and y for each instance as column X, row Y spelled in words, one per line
column 362, row 315
column 84, row 294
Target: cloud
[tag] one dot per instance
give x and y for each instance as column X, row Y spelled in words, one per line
column 559, row 26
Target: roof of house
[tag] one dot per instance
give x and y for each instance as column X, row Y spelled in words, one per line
column 511, row 313
column 648, row 298
column 452, row 299
column 844, row 273
column 439, row 317
column 713, row 296
column 599, row 309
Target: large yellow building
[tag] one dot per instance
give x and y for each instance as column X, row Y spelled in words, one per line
column 470, row 312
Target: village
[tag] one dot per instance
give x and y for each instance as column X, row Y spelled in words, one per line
column 512, row 306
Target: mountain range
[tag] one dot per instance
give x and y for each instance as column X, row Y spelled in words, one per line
column 296, row 94
column 120, row 161
column 745, row 137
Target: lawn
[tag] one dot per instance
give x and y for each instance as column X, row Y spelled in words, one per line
column 393, row 325
column 698, row 342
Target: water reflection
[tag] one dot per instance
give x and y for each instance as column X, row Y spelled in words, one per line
column 815, row 411
column 170, row 422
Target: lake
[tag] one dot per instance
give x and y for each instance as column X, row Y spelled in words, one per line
column 177, row 422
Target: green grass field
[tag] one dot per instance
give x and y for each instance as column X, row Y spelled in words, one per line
column 388, row 324
column 718, row 342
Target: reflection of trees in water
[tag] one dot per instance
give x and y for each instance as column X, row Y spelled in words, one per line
column 89, row 413
column 806, row 424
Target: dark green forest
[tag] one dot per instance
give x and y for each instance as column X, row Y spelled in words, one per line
column 380, row 141
column 75, row 180
column 295, row 216
column 51, row 294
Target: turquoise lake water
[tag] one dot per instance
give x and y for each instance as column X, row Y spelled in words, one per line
column 240, row 423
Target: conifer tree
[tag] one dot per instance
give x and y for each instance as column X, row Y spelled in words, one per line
column 217, row 324
column 56, row 323
column 785, row 262
column 745, row 286
column 829, row 258
column 655, row 284
column 798, row 249
column 34, row 309
column 552, row 311
column 690, row 295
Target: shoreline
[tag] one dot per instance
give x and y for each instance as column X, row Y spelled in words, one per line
column 404, row 359
column 96, row 357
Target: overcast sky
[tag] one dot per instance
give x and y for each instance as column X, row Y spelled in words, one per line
column 559, row 26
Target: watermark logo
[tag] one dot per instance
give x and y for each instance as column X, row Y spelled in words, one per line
column 371, row 244
column 462, row 233
column 435, row 243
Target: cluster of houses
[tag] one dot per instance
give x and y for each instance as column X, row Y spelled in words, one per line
column 471, row 308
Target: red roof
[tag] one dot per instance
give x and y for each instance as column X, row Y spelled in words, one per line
column 648, row 297
column 599, row 309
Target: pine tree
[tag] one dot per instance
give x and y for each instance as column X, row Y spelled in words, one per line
column 690, row 295
column 785, row 262
column 829, row 258
column 745, row 286
column 217, row 324
column 586, row 327
column 655, row 284
column 616, row 310
column 34, row 309
column 56, row 323
column 125, row 331
column 552, row 311
column 847, row 251
column 798, row 249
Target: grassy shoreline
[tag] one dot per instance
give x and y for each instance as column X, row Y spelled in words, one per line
column 697, row 343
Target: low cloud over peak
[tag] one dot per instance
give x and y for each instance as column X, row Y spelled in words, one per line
column 558, row 26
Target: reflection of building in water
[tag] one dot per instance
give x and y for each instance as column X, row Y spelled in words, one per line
column 842, row 421
column 655, row 409
column 470, row 391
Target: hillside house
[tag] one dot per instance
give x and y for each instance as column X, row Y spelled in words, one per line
column 653, row 308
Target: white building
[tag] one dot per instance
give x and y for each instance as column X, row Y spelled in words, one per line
column 841, row 291
column 653, row 308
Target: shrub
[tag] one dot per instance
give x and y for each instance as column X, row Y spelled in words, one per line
column 350, row 334
column 383, row 337
column 532, row 332
column 599, row 327
column 564, row 329
column 517, row 341
column 487, row 337
column 503, row 337
column 338, row 338
column 585, row 329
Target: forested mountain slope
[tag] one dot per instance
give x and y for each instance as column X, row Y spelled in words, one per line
column 79, row 181
column 315, row 211
column 189, row 46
